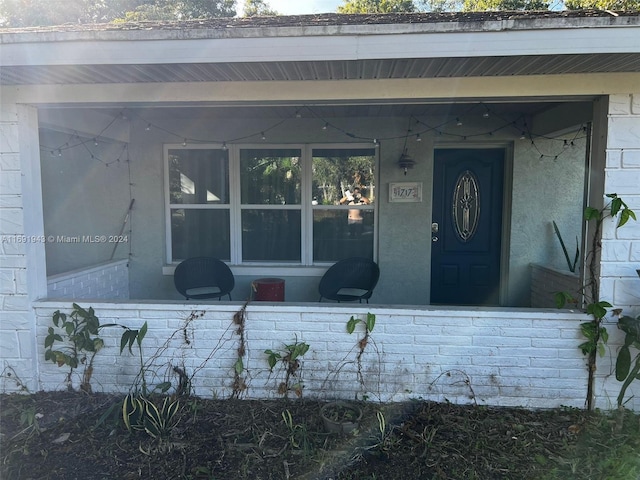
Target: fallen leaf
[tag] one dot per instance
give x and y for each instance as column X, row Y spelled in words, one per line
column 574, row 429
column 62, row 438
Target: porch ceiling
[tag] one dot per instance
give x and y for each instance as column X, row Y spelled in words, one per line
column 321, row 70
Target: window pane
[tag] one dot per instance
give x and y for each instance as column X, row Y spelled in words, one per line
column 339, row 234
column 337, row 171
column 196, row 233
column 270, row 176
column 271, row 235
column 199, row 176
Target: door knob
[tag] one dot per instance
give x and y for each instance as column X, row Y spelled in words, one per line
column 434, row 239
column 434, row 227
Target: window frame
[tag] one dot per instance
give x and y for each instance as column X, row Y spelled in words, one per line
column 235, row 206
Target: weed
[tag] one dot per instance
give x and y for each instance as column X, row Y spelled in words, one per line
column 9, row 373
column 141, row 414
column 625, row 372
column 595, row 333
column 290, row 358
column 79, row 332
column 298, row 434
column 239, row 383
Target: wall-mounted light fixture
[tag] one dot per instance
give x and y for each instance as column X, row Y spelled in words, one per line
column 406, row 162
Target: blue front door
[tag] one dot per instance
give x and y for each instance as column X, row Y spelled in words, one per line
column 466, row 231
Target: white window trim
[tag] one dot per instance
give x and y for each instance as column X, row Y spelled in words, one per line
column 306, row 267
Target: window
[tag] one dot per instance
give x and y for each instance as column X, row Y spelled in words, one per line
column 271, row 204
column 285, row 205
column 343, row 179
column 199, row 208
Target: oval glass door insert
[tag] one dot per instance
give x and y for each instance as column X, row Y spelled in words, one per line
column 466, row 205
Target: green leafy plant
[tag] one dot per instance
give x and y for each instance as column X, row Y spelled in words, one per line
column 128, row 339
column 570, row 263
column 290, row 359
column 140, row 414
column 298, row 434
column 78, row 334
column 595, row 333
column 369, row 324
column 628, row 370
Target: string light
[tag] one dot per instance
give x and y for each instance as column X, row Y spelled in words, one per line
column 422, row 129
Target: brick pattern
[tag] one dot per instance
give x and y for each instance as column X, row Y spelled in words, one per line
column 507, row 357
column 108, row 281
column 546, row 281
column 620, row 283
column 16, row 324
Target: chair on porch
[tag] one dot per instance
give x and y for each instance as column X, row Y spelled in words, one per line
column 349, row 280
column 201, row 278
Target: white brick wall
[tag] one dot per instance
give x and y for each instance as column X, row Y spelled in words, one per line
column 620, row 283
column 16, row 321
column 107, row 281
column 508, row 357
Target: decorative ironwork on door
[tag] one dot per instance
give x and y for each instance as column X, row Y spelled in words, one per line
column 466, row 205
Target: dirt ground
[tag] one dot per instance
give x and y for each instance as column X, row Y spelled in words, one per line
column 73, row 435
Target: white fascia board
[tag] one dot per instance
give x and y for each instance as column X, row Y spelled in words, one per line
column 319, row 48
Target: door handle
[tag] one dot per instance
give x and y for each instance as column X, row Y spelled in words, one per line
column 434, row 239
column 434, row 227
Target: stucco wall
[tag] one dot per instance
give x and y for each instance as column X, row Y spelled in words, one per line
column 86, row 191
column 543, row 190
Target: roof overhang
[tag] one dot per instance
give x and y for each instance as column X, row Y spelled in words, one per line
column 405, row 47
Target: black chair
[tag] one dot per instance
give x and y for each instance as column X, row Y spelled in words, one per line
column 203, row 277
column 349, row 280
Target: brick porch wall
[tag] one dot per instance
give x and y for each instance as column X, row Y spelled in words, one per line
column 17, row 329
column 107, row 281
column 546, row 281
column 497, row 357
column 620, row 284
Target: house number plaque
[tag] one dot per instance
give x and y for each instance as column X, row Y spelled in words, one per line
column 405, row 192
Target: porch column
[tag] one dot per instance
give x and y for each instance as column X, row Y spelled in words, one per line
column 620, row 256
column 22, row 261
